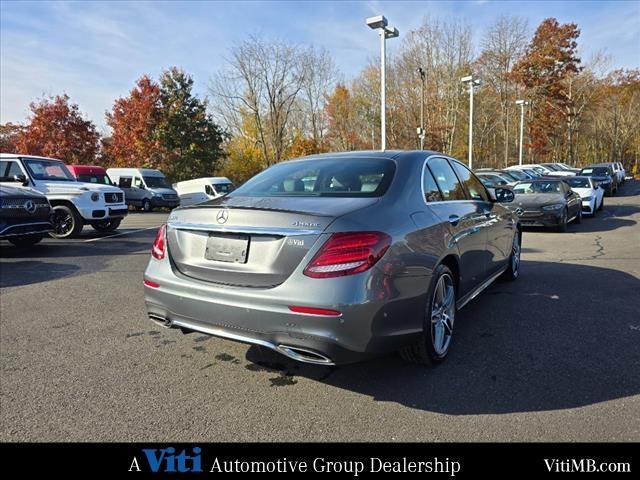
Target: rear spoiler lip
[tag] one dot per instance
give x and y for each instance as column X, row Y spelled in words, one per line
column 278, row 231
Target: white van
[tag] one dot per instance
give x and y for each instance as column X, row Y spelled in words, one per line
column 202, row 189
column 144, row 188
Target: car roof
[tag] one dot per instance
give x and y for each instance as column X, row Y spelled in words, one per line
column 374, row 154
column 87, row 168
column 21, row 155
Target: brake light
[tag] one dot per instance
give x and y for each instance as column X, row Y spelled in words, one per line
column 347, row 254
column 158, row 249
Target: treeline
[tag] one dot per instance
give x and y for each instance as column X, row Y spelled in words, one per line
column 276, row 100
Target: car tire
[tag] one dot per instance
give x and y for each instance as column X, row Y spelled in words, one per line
column 146, row 205
column 578, row 218
column 106, row 225
column 513, row 270
column 601, row 203
column 67, row 223
column 29, row 241
column 437, row 331
column 562, row 226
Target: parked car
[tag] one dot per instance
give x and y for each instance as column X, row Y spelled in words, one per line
column 518, row 175
column 561, row 167
column 90, row 174
column 617, row 169
column 492, row 180
column 378, row 255
column 590, row 192
column 539, row 170
column 546, row 203
column 603, row 176
column 505, row 175
column 74, row 203
column 202, row 189
column 144, row 188
column 25, row 215
column 623, row 172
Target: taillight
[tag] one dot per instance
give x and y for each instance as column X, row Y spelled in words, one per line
column 315, row 311
column 347, row 254
column 157, row 251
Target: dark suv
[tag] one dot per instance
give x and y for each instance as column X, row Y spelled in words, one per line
column 25, row 216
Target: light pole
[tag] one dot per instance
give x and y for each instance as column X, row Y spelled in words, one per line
column 522, row 104
column 380, row 22
column 472, row 82
column 421, row 131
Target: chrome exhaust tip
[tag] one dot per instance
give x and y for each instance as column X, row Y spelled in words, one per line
column 303, row 355
column 160, row 320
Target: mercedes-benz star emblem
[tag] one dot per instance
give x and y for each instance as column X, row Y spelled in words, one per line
column 30, row 207
column 519, row 211
column 223, row 216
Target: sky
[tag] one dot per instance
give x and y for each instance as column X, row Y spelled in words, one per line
column 94, row 51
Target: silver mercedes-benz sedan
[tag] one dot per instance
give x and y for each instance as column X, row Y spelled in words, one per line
column 332, row 258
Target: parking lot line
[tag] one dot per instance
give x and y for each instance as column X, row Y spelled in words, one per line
column 119, row 234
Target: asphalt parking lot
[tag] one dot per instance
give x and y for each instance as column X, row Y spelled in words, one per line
column 554, row 356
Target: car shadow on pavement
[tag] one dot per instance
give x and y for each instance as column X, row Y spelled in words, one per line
column 562, row 336
column 22, row 273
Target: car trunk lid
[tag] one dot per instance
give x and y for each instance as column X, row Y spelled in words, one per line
column 250, row 241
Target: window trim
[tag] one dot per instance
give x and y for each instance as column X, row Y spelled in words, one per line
column 18, row 160
column 464, row 187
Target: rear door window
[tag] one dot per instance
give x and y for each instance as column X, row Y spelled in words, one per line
column 429, row 187
column 474, row 187
column 446, row 179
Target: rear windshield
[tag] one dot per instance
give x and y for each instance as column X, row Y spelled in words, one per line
column 596, row 171
column 578, row 182
column 327, row 177
column 89, row 178
column 516, row 175
column 537, row 187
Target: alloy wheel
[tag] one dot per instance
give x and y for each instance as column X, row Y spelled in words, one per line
column 443, row 310
column 515, row 256
column 63, row 222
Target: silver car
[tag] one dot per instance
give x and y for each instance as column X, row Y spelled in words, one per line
column 332, row 258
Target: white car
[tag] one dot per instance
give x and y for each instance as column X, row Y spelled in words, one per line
column 74, row 203
column 538, row 169
column 591, row 194
column 202, row 189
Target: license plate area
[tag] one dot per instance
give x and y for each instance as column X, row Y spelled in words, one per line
column 227, row 247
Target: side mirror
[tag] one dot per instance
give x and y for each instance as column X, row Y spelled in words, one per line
column 20, row 178
column 502, row 195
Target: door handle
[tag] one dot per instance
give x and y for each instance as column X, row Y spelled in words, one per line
column 454, row 219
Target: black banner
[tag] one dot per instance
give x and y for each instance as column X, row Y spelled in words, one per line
column 353, row 460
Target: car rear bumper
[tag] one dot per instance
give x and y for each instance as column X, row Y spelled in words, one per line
column 371, row 322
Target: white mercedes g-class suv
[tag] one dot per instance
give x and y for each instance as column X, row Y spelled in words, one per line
column 74, row 203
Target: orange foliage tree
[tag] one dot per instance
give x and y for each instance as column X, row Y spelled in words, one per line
column 56, row 129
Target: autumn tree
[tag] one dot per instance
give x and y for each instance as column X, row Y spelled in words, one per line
column 133, row 121
column 188, row 135
column 164, row 125
column 57, row 129
column 549, row 60
column 263, row 79
column 340, row 112
column 9, row 134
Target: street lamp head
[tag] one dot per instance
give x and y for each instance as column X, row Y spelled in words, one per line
column 391, row 32
column 466, row 79
column 522, row 102
column 377, row 22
